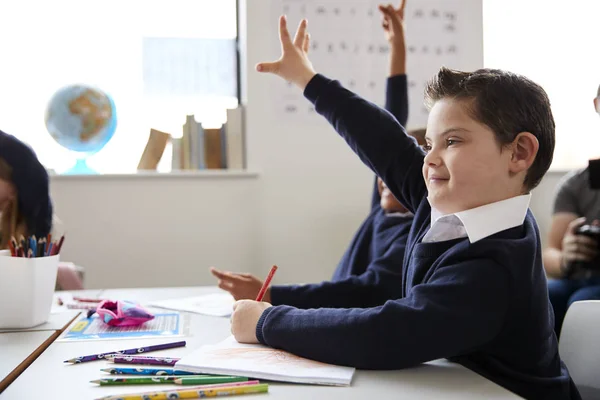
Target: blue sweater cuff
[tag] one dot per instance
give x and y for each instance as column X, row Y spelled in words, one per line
column 315, row 87
column 278, row 294
column 259, row 326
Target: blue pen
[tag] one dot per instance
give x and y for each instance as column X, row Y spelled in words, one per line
column 146, row 371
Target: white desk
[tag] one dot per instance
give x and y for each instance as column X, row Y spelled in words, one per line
column 16, row 348
column 439, row 379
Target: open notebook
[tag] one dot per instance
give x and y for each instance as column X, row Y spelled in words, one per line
column 257, row 361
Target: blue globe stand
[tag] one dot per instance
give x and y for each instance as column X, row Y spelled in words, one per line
column 80, row 168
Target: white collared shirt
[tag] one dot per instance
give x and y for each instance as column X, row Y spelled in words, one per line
column 478, row 223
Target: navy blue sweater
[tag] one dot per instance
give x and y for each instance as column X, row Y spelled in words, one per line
column 484, row 305
column 378, row 244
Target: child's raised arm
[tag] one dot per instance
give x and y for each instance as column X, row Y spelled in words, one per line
column 373, row 133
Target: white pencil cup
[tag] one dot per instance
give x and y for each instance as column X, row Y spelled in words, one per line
column 26, row 290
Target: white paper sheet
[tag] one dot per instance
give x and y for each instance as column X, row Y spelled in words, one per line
column 216, row 305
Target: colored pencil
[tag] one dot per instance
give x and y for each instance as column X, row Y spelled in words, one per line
column 146, row 380
column 81, row 306
column 138, row 350
column 13, row 249
column 59, row 245
column 32, row 246
column 196, row 393
column 124, row 359
column 265, row 285
column 87, row 300
column 200, row 380
column 23, row 243
column 146, row 371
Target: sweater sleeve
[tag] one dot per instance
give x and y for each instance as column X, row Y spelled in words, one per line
column 396, row 98
column 374, row 287
column 375, row 136
column 461, row 308
column 396, row 102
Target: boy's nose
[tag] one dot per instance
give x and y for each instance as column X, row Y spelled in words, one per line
column 432, row 157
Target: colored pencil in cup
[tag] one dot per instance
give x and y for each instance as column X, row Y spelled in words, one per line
column 58, row 245
column 13, row 248
column 147, row 371
column 265, row 285
column 138, row 350
column 41, row 247
column 126, row 359
column 206, row 380
column 146, row 380
column 196, row 392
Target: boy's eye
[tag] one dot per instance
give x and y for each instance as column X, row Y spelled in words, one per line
column 450, row 142
column 426, row 147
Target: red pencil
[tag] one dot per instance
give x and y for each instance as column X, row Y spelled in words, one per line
column 58, row 246
column 265, row 285
column 13, row 251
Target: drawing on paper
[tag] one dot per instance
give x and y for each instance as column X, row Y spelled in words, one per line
column 265, row 356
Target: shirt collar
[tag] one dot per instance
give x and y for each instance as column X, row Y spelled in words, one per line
column 486, row 220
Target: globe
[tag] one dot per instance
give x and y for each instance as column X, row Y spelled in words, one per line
column 82, row 119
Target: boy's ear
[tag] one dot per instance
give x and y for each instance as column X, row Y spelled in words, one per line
column 597, row 104
column 524, row 149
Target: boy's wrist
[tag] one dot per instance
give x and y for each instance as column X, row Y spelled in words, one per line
column 305, row 78
column 397, row 61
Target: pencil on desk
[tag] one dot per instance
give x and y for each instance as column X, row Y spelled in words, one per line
column 81, row 306
column 147, row 371
column 265, row 285
column 146, row 380
column 137, row 350
column 87, row 300
column 124, row 359
column 205, row 380
column 198, row 392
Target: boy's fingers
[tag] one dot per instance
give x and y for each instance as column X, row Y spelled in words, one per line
column 284, row 35
column 306, row 43
column 222, row 274
column 216, row 272
column 401, row 8
column 225, row 285
column 270, row 67
column 300, row 34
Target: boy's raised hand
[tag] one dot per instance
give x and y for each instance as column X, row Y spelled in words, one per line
column 244, row 319
column 241, row 286
column 293, row 65
column 393, row 20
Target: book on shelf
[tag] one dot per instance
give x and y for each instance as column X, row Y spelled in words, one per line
column 153, row 152
column 235, row 146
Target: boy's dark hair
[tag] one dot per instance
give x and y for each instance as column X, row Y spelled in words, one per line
column 508, row 103
column 598, row 94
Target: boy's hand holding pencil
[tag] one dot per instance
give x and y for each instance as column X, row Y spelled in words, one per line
column 293, row 65
column 246, row 313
